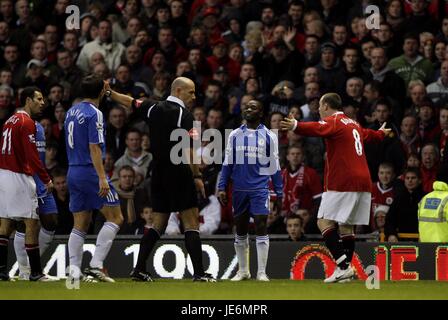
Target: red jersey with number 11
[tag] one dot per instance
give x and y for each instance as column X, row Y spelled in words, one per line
column 346, row 167
column 18, row 151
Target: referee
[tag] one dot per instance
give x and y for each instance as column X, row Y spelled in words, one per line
column 173, row 186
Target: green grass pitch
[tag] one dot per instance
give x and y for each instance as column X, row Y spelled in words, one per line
column 164, row 289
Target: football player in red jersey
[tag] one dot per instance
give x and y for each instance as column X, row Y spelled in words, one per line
column 347, row 185
column 19, row 161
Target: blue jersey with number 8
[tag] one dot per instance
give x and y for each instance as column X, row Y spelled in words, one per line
column 84, row 125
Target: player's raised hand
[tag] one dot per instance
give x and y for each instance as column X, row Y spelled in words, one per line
column 288, row 123
column 49, row 186
column 222, row 197
column 104, row 188
column 386, row 131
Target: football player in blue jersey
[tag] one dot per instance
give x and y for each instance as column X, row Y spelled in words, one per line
column 88, row 184
column 251, row 159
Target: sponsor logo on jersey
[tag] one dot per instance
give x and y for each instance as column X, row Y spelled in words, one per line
column 32, row 138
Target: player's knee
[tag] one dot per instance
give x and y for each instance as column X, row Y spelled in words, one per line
column 118, row 220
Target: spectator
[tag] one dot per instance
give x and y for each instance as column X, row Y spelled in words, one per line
column 301, row 184
column 428, row 126
column 410, row 140
column 402, row 216
column 438, row 90
column 116, row 131
column 381, row 72
column 382, row 190
column 139, row 72
column 311, row 51
column 66, row 70
column 379, row 216
column 133, row 155
column 430, row 163
column 146, row 220
column 61, row 195
column 123, row 83
column 443, row 123
column 294, row 227
column 329, row 70
column 51, row 155
column 411, row 65
column 112, row 51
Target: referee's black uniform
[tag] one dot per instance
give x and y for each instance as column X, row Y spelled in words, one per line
column 172, row 185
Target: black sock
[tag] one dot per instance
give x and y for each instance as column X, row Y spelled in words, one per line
column 193, row 245
column 32, row 250
column 149, row 239
column 348, row 242
column 3, row 253
column 333, row 244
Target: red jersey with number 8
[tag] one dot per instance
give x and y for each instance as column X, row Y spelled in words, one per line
column 18, row 151
column 346, row 167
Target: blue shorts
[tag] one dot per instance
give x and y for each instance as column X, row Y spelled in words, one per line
column 47, row 204
column 256, row 202
column 83, row 186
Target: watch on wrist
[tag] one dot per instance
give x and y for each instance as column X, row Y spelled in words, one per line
column 108, row 93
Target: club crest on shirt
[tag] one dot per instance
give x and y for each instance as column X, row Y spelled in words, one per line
column 322, row 122
column 389, row 200
column 261, row 142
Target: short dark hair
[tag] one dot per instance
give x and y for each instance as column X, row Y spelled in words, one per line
column 295, row 216
column 126, row 167
column 383, row 102
column 333, row 100
column 26, row 93
column 133, row 130
column 58, row 172
column 91, row 86
column 410, row 35
column 416, row 171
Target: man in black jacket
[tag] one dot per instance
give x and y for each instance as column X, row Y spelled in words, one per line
column 403, row 214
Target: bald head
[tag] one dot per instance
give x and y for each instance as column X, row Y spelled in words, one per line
column 184, row 89
column 181, row 82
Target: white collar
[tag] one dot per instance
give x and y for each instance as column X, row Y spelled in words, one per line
column 23, row 111
column 176, row 99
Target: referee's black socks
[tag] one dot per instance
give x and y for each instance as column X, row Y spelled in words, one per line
column 194, row 248
column 331, row 237
column 147, row 242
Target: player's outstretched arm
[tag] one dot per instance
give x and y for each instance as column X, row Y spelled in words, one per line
column 376, row 135
column 95, row 153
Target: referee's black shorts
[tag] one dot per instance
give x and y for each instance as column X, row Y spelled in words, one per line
column 172, row 188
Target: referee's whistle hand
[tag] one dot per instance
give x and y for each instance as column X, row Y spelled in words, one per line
column 104, row 188
column 222, row 197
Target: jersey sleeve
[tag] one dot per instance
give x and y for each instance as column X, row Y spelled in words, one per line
column 28, row 136
column 96, row 128
column 318, row 129
column 277, row 176
column 142, row 107
column 227, row 166
column 370, row 135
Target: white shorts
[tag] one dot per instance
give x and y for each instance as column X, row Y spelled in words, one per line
column 18, row 198
column 352, row 208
